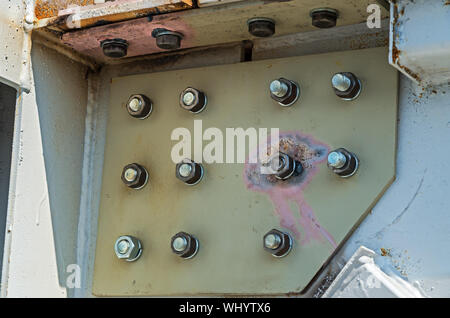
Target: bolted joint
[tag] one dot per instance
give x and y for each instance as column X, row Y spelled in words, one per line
column 261, row 27
column 134, row 176
column 139, row 106
column 166, row 39
column 343, row 162
column 114, row 48
column 284, row 166
column 284, row 91
column 193, row 100
column 346, row 85
column 277, row 243
column 184, row 245
column 324, row 18
column 189, row 172
column 128, row 247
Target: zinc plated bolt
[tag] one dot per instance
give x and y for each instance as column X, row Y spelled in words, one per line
column 189, row 172
column 184, row 245
column 277, row 243
column 139, row 106
column 284, row 91
column 346, row 85
column 343, row 162
column 128, row 247
column 134, row 176
column 193, row 100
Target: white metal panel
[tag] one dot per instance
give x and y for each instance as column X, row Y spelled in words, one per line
column 14, row 50
column 410, row 225
column 420, row 40
column 361, row 277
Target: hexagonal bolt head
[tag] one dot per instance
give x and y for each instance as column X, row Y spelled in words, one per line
column 128, row 247
column 346, row 85
column 167, row 40
column 284, row 91
column 261, row 27
column 324, row 18
column 277, row 243
column 114, row 48
column 189, row 172
column 139, row 106
column 193, row 100
column 134, row 176
column 184, row 245
column 343, row 162
column 284, row 166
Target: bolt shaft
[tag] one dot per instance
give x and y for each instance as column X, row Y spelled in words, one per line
column 341, row 82
column 278, row 88
column 336, row 159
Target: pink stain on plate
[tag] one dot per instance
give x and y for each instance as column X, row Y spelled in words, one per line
column 310, row 153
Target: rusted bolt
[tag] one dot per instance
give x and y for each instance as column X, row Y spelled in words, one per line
column 114, row 48
column 346, row 85
column 139, row 106
column 284, row 91
column 184, row 245
column 166, row 39
column 134, row 176
column 128, row 247
column 343, row 162
column 324, row 17
column 193, row 100
column 189, row 172
column 277, row 243
column 261, row 27
column 284, row 166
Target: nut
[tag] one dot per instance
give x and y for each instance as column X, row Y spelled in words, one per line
column 134, row 176
column 284, row 91
column 193, row 100
column 139, row 106
column 114, row 48
column 184, row 245
column 167, row 40
column 277, row 243
column 261, row 27
column 128, row 247
column 284, row 166
column 343, row 162
column 324, row 17
column 189, row 172
column 346, row 85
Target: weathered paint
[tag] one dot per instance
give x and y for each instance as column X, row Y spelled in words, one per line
column 310, row 153
column 419, row 41
column 50, row 8
column 138, row 35
column 213, row 25
column 58, row 13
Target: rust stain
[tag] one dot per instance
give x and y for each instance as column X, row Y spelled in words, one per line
column 304, row 224
column 47, row 9
column 385, row 252
column 50, row 8
column 395, row 51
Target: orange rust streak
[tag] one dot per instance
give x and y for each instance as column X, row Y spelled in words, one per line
column 49, row 8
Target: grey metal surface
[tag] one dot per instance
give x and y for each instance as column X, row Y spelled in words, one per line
column 7, row 115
